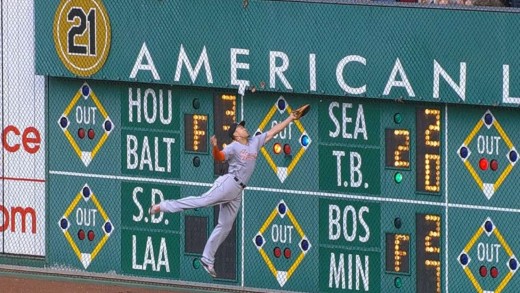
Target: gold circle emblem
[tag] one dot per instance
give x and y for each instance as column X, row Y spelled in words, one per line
column 82, row 35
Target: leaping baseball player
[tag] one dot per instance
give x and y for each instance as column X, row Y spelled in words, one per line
column 226, row 191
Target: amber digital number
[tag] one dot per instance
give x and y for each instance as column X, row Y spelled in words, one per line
column 196, row 133
column 398, row 253
column 397, row 148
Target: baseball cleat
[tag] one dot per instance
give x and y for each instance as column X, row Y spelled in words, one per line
column 209, row 268
column 154, row 209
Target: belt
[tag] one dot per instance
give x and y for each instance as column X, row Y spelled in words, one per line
column 240, row 183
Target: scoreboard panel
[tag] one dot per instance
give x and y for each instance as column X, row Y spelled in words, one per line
column 404, row 170
column 376, row 194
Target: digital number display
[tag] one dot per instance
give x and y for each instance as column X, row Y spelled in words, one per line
column 224, row 114
column 428, row 171
column 397, row 148
column 398, row 253
column 196, row 133
column 428, row 245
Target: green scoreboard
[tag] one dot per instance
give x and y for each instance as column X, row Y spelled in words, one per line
column 401, row 178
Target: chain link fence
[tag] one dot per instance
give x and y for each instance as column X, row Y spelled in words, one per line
column 22, row 200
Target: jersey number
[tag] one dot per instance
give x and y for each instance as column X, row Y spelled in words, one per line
column 77, row 30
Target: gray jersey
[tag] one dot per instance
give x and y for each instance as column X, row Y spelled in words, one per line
column 242, row 157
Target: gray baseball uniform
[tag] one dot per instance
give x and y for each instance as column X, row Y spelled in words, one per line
column 226, row 191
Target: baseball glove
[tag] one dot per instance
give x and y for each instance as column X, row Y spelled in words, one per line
column 302, row 111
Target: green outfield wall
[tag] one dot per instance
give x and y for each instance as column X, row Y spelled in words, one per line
column 401, row 178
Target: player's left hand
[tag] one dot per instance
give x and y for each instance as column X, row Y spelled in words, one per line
column 213, row 140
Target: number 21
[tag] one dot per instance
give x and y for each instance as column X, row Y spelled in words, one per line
column 78, row 30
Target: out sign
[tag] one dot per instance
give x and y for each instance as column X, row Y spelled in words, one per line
column 86, row 115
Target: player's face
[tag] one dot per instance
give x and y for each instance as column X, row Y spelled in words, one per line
column 241, row 131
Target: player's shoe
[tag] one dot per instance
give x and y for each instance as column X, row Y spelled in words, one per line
column 208, row 268
column 154, row 209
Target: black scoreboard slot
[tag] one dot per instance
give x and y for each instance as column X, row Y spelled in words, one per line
column 428, row 247
column 195, row 234
column 428, row 156
column 397, row 253
column 224, row 114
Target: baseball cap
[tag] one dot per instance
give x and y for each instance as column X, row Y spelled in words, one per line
column 233, row 127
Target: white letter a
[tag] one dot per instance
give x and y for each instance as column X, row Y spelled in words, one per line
column 139, row 65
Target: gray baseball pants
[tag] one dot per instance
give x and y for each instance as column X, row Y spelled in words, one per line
column 225, row 192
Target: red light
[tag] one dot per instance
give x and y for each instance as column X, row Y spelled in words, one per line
column 483, row 271
column 277, row 148
column 91, row 133
column 494, row 272
column 81, row 234
column 81, row 133
column 277, row 252
column 287, row 149
column 483, row 164
column 90, row 235
column 494, row 165
column 287, row 253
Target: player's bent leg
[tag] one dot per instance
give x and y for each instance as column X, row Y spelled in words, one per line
column 223, row 190
column 190, row 202
column 177, row 205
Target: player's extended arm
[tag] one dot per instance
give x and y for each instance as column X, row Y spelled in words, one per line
column 217, row 154
column 278, row 127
